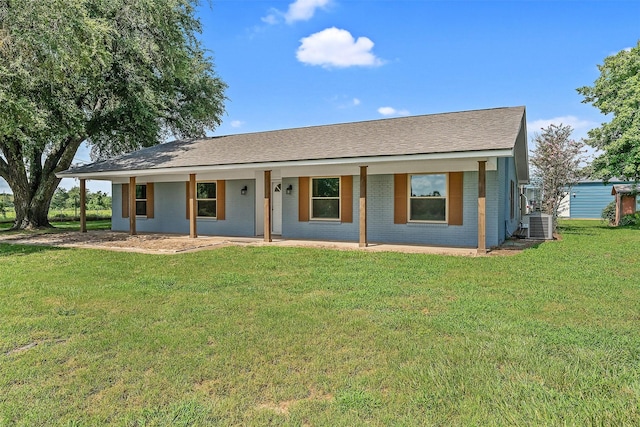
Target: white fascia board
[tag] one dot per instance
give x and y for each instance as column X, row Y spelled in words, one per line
column 110, row 175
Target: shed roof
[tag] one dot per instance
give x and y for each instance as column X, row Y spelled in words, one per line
column 459, row 132
column 624, row 189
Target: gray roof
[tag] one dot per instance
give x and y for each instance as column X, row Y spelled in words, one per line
column 624, row 189
column 468, row 131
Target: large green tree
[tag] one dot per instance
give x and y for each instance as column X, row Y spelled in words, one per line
column 617, row 94
column 116, row 74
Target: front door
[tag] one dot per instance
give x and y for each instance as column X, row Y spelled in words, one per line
column 276, row 207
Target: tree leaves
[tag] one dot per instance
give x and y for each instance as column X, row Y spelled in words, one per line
column 617, row 92
column 556, row 159
column 120, row 74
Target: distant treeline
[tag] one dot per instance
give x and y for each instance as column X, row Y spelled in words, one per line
column 64, row 204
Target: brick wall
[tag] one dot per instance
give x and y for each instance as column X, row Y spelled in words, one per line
column 381, row 213
column 170, row 211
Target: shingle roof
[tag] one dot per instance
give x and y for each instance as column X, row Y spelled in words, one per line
column 468, row 131
column 624, row 189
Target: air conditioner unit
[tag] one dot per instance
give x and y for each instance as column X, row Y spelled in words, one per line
column 538, row 226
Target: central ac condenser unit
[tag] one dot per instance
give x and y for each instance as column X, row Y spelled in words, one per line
column 538, row 226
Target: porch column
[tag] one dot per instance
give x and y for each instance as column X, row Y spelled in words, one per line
column 482, row 207
column 193, row 206
column 363, row 207
column 618, row 208
column 83, row 205
column 267, row 206
column 132, row 205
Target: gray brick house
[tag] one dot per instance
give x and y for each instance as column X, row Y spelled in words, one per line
column 451, row 179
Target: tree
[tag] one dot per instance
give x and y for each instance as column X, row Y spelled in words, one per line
column 617, row 92
column 60, row 198
column 118, row 74
column 556, row 159
column 73, row 202
column 3, row 206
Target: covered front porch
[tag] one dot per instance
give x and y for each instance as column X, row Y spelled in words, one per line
column 272, row 202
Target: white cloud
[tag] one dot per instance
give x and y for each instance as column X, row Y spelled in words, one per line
column 576, row 123
column 236, row 123
column 345, row 102
column 337, row 48
column 390, row 111
column 303, row 10
column 626, row 49
column 271, row 19
column 299, row 10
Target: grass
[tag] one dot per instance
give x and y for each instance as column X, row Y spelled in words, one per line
column 62, row 226
column 286, row 336
column 59, row 215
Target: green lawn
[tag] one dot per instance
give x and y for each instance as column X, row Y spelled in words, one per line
column 290, row 336
column 56, row 215
column 62, row 226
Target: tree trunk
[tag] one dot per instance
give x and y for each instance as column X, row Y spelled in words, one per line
column 32, row 208
column 34, row 184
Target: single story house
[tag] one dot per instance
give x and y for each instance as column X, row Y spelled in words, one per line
column 451, row 179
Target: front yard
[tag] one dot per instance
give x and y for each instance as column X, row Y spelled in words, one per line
column 298, row 336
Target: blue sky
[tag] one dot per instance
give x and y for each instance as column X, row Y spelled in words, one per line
column 312, row 62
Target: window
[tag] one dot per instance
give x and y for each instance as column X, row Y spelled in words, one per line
column 206, row 198
column 141, row 199
column 428, row 197
column 325, row 198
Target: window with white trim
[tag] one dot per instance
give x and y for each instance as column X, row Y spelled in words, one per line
column 141, row 199
column 325, row 198
column 206, row 199
column 428, row 197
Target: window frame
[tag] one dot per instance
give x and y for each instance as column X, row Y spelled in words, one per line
column 206, row 199
column 446, row 199
column 312, row 198
column 145, row 200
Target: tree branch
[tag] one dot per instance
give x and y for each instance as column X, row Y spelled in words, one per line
column 13, row 164
column 61, row 158
column 4, row 168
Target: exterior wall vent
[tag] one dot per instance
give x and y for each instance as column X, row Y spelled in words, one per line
column 538, row 226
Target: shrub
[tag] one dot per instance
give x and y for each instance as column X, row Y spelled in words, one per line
column 633, row 219
column 609, row 213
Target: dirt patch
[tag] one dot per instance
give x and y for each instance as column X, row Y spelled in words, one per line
column 283, row 407
column 146, row 243
column 514, row 246
column 29, row 346
column 157, row 243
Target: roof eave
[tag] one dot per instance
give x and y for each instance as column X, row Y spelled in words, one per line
column 109, row 174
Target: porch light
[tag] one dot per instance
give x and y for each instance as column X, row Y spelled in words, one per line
column 243, row 190
column 289, row 189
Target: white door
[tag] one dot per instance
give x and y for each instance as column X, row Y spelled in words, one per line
column 276, row 207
